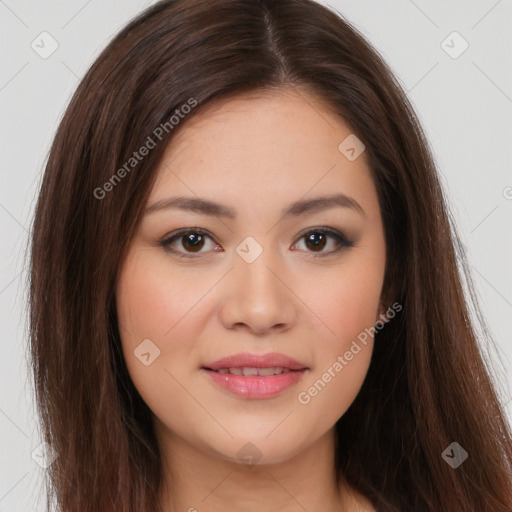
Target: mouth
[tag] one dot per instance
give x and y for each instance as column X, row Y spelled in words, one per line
column 248, row 371
column 255, row 376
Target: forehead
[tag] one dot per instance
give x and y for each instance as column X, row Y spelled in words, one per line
column 262, row 147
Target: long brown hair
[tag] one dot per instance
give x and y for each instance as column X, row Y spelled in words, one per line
column 428, row 384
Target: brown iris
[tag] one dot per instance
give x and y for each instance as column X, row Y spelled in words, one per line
column 193, row 242
column 317, row 240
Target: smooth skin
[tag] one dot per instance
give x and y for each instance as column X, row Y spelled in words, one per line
column 256, row 155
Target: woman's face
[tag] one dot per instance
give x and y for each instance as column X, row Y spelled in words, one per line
column 260, row 272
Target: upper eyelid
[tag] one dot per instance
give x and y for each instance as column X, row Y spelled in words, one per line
column 182, row 232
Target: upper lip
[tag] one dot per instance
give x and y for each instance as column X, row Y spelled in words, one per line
column 248, row 360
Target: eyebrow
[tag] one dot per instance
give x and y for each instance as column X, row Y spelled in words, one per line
column 301, row 207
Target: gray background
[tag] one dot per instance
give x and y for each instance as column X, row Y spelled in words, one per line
column 464, row 103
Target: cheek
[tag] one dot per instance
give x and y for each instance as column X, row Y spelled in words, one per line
column 343, row 359
column 346, row 302
column 351, row 306
column 348, row 307
column 154, row 308
column 152, row 301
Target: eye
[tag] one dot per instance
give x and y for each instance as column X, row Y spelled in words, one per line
column 317, row 239
column 192, row 241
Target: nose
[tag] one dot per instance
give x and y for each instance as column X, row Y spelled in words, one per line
column 257, row 298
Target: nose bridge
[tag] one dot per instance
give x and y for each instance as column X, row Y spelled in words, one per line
column 256, row 268
column 259, row 297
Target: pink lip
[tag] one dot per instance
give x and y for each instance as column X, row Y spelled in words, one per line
column 256, row 386
column 246, row 359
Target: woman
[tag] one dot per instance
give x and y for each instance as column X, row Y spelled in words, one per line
column 245, row 289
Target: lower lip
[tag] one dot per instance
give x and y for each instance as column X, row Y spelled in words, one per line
column 255, row 386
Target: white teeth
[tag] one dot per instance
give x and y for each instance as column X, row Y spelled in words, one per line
column 250, row 371
column 265, row 372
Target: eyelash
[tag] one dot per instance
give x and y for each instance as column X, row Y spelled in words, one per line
column 341, row 239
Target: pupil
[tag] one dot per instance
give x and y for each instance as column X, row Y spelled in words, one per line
column 318, row 243
column 189, row 240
